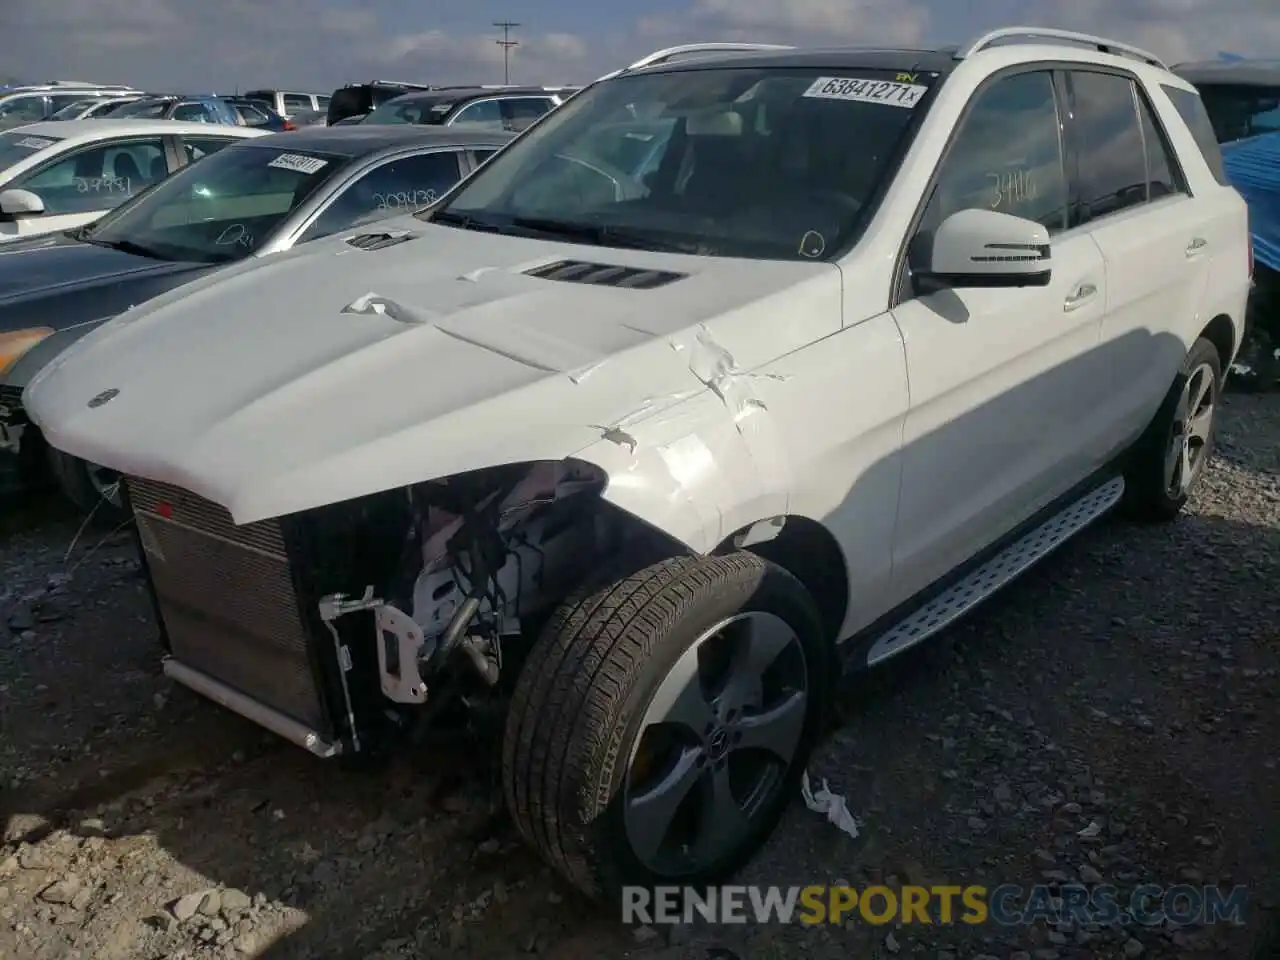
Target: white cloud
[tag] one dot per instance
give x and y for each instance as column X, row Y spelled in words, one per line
column 195, row 45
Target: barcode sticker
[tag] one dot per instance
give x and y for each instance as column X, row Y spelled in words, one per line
column 298, row 163
column 891, row 94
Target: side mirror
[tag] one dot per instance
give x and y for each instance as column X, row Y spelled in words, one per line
column 18, row 204
column 983, row 248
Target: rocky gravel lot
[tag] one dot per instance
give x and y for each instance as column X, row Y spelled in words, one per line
column 1113, row 718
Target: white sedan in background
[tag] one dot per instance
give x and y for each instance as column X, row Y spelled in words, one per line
column 60, row 175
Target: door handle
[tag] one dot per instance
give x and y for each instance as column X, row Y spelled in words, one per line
column 1196, row 246
column 1079, row 297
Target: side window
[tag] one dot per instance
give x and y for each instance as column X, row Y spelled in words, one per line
column 19, row 110
column 296, row 101
column 1006, row 157
column 193, row 113
column 480, row 156
column 1194, row 114
column 400, row 186
column 98, row 178
column 322, row 103
column 1162, row 169
column 197, row 147
column 1113, row 172
column 520, row 112
column 483, row 114
column 65, row 100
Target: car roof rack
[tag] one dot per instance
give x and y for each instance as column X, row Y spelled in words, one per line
column 1032, row 34
column 671, row 53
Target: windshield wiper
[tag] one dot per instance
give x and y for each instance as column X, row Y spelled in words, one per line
column 600, row 235
column 124, row 246
column 464, row 220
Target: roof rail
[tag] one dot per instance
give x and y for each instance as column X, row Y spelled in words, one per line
column 671, row 53
column 1101, row 44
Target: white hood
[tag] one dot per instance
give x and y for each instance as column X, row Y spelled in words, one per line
column 331, row 372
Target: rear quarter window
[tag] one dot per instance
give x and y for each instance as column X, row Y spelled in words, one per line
column 1191, row 109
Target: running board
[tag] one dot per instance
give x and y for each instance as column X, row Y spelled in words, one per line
column 250, row 709
column 1000, row 570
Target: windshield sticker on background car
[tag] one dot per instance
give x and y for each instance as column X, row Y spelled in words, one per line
column 867, row 91
column 406, row 198
column 298, row 163
column 36, row 143
column 103, row 185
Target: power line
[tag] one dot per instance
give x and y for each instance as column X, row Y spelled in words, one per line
column 506, row 43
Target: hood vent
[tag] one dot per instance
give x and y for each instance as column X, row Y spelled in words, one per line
column 377, row 241
column 604, row 275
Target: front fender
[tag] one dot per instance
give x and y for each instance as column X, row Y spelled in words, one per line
column 696, row 472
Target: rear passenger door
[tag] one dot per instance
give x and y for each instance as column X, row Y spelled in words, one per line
column 396, row 186
column 1133, row 201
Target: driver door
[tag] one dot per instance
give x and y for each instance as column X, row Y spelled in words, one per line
column 1001, row 420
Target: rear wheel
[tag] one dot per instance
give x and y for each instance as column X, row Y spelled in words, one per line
column 661, row 724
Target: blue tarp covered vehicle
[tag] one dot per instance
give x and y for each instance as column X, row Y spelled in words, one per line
column 1253, row 167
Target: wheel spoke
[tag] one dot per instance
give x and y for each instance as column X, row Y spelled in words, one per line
column 680, row 698
column 722, row 819
column 649, row 814
column 1172, row 459
column 764, row 640
column 1184, row 469
column 1198, row 425
column 776, row 730
column 1199, row 389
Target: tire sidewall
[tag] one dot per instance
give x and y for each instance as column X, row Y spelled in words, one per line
column 773, row 591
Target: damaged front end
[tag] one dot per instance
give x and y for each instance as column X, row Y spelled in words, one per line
column 349, row 626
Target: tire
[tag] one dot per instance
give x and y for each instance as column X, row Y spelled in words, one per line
column 579, row 710
column 86, row 487
column 1151, row 496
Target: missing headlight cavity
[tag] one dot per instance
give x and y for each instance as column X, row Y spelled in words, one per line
column 465, row 569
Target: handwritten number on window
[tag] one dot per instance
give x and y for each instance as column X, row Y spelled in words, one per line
column 1012, row 187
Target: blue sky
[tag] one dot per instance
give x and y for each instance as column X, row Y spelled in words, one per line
column 223, row 44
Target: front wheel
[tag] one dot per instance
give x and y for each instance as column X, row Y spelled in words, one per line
column 94, row 490
column 1175, row 449
column 660, row 725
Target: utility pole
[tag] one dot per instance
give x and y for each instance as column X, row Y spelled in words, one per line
column 506, row 43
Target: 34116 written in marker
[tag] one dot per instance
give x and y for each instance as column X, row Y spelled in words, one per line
column 867, row 91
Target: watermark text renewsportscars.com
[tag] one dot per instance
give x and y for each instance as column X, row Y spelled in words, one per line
column 1007, row 905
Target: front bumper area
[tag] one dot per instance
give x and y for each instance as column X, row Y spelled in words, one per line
column 235, row 701
column 239, row 615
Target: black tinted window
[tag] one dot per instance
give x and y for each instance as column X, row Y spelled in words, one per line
column 1006, row 157
column 1238, row 111
column 1113, row 171
column 1162, row 169
column 1192, row 110
column 400, row 186
column 519, row 112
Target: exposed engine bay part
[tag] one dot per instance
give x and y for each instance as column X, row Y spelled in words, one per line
column 250, row 708
column 400, row 646
column 496, row 547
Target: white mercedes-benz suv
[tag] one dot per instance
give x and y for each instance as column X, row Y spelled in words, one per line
column 744, row 363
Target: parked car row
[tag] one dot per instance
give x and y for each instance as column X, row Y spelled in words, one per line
column 621, row 435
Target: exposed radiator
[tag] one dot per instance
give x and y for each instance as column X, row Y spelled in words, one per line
column 227, row 598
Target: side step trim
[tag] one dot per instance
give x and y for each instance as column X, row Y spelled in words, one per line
column 251, row 709
column 999, row 571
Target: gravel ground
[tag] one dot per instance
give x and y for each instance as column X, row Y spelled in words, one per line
column 1130, row 682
